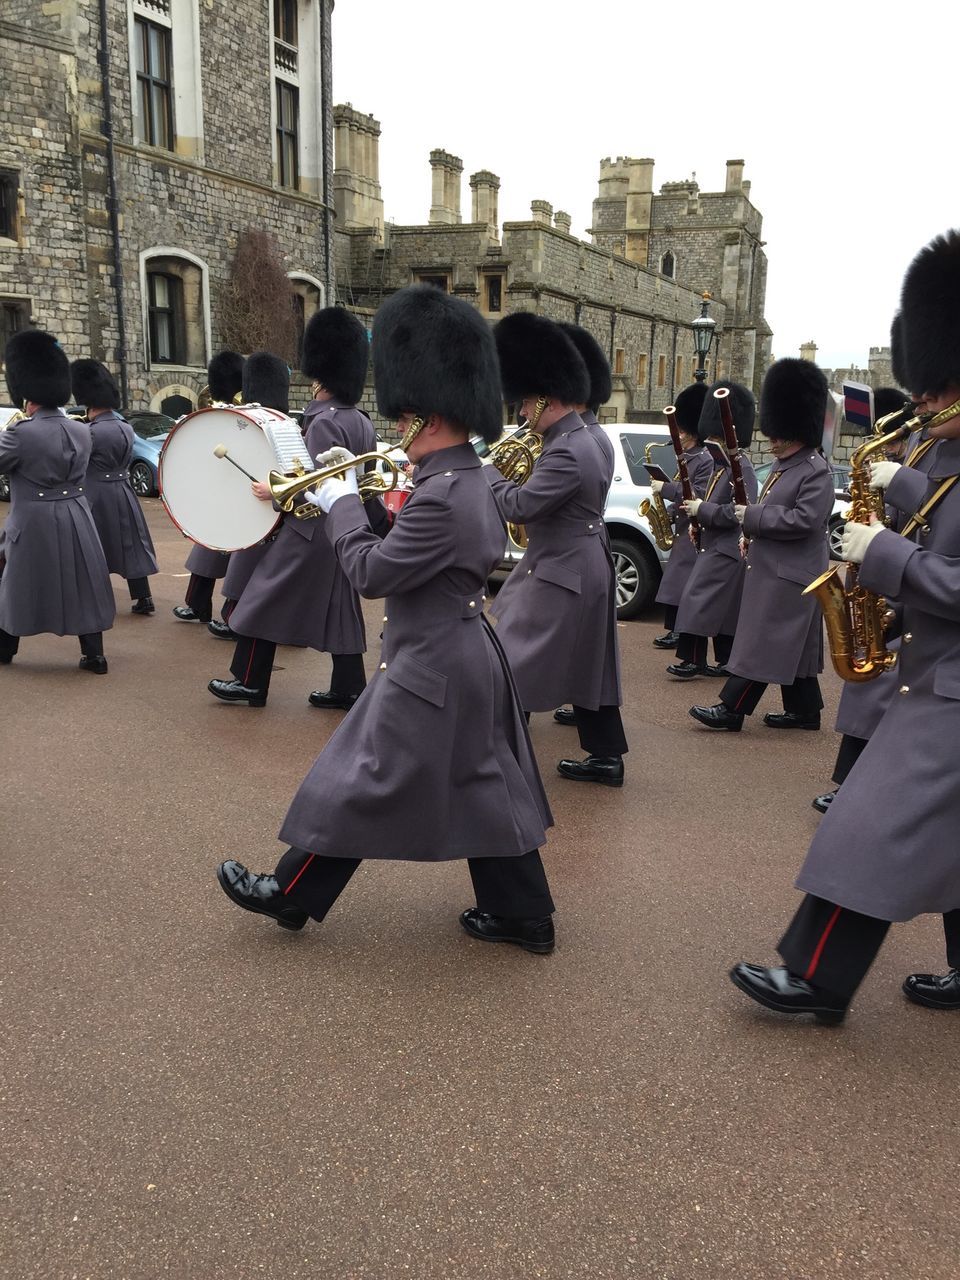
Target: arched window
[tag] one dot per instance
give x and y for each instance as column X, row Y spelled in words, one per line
column 668, row 265
column 176, row 310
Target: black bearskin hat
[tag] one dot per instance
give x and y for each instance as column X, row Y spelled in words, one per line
column 336, row 352
column 225, row 376
column 266, row 381
column 897, row 366
column 598, row 366
column 94, row 385
column 433, row 353
column 37, row 369
column 930, row 317
column 888, row 400
column 538, row 359
column 793, row 402
column 688, row 405
column 743, row 406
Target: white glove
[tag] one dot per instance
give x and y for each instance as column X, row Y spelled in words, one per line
column 691, row 506
column 739, row 511
column 328, row 493
column 656, row 485
column 857, row 538
column 882, row 472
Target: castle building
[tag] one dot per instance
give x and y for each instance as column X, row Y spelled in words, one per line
column 139, row 139
column 637, row 286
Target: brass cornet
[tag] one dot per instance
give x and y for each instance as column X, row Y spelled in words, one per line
column 284, row 488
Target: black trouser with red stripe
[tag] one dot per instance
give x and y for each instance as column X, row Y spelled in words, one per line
column 691, row 648
column 802, row 698
column 848, row 754
column 601, row 731
column 253, row 663
column 833, row 947
column 515, row 888
column 199, row 596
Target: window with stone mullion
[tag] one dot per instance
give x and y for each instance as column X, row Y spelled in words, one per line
column 154, row 84
column 288, row 140
column 166, row 321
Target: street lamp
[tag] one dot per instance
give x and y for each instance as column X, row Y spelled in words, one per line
column 703, row 330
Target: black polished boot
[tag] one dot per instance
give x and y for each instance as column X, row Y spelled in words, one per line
column 607, row 770
column 823, row 803
column 785, row 992
column 260, row 894
column 719, row 672
column 532, row 935
column 668, row 641
column 221, row 630
column 563, row 715
column 96, row 664
column 331, row 700
column 144, row 605
column 791, row 720
column 718, row 717
column 685, row 670
column 234, row 691
column 183, row 613
column 936, row 991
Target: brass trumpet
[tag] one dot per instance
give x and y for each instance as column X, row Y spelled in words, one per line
column 284, row 489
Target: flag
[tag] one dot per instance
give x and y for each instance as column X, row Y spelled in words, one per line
column 858, row 405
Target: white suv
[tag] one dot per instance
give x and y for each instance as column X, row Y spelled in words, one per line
column 639, row 561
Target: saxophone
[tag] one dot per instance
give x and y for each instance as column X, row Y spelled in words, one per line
column 515, row 459
column 654, row 511
column 856, row 618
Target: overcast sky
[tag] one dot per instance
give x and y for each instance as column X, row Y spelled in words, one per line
column 844, row 113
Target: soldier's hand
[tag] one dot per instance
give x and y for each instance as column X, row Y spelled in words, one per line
column 738, row 511
column 261, row 491
column 329, row 492
column 857, row 538
column 691, row 506
column 882, row 472
column 656, row 486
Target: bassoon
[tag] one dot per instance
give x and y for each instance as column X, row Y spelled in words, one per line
column 722, row 397
column 686, row 488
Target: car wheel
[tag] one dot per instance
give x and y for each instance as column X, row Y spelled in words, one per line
column 835, row 538
column 634, row 578
column 4, row 488
column 141, row 480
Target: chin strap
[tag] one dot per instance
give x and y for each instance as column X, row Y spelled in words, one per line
column 538, row 409
column 414, row 429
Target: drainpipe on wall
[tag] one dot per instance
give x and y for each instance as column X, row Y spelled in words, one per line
column 113, row 202
column 326, row 90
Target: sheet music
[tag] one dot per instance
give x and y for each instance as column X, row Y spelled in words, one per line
column 288, row 446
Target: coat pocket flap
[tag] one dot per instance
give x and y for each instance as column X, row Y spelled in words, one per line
column 559, row 575
column 946, row 680
column 798, row 574
column 10, row 532
column 413, row 676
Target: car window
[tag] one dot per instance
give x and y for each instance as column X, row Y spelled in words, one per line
column 634, row 446
column 148, row 425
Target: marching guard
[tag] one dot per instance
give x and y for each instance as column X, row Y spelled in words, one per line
column 779, row 635
column 298, row 593
column 123, row 530
column 556, row 613
column 710, row 603
column 434, row 762
column 683, row 553
column 876, row 859
column 55, row 577
column 225, row 383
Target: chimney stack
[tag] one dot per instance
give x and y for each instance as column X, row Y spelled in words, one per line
column 485, row 185
column 735, row 176
column 356, row 175
column 562, row 221
column 446, row 170
column 541, row 211
column 808, row 351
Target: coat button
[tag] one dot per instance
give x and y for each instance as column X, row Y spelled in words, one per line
column 39, row 495
column 589, row 526
column 385, row 618
column 529, row 571
column 907, row 637
column 383, row 666
column 64, row 493
column 448, row 473
column 473, row 604
column 904, row 688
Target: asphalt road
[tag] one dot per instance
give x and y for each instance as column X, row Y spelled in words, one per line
column 189, row 1091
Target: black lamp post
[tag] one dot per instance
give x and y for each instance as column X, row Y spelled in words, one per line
column 703, row 330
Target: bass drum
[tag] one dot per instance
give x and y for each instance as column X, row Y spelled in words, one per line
column 206, row 497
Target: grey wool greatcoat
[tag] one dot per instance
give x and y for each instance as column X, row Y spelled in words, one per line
column 710, row 602
column 589, row 419
column 56, row 578
column 779, row 635
column 895, row 856
column 123, row 531
column 683, row 554
column 556, row 613
column 298, row 594
column 434, row 761
column 206, row 563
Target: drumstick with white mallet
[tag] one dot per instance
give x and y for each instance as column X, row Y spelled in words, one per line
column 220, row 451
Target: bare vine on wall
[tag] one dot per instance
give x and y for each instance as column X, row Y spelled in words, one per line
column 258, row 301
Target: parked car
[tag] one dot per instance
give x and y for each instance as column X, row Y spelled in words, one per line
column 637, row 558
column 841, row 479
